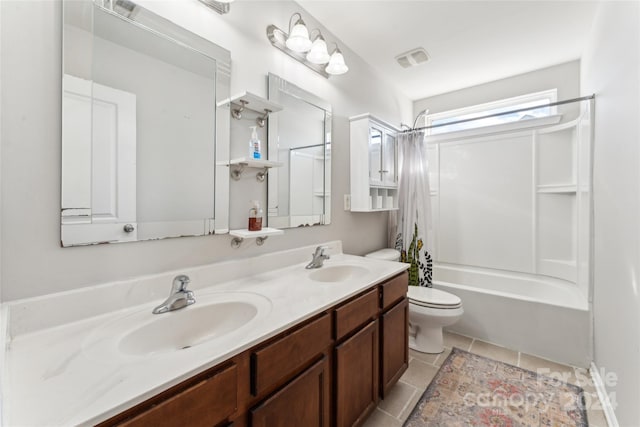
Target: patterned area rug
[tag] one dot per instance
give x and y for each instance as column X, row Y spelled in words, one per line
column 471, row 390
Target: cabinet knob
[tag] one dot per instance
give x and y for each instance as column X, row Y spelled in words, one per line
column 129, row 228
column 384, row 171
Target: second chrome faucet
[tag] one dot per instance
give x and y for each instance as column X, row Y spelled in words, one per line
column 318, row 257
column 179, row 297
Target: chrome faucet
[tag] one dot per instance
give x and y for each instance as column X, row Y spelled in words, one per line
column 179, row 297
column 318, row 257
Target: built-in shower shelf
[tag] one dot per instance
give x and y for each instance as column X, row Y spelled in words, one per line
column 557, row 189
column 565, row 262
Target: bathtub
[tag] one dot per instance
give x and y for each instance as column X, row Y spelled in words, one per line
column 534, row 314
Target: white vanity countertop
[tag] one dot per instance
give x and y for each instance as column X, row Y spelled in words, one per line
column 56, row 372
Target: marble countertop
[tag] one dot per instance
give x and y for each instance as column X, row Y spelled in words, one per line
column 56, row 372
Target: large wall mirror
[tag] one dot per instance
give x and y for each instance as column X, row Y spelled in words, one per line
column 141, row 128
column 299, row 192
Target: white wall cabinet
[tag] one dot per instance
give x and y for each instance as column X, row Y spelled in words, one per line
column 374, row 160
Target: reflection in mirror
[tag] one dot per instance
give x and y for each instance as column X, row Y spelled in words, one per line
column 141, row 130
column 299, row 137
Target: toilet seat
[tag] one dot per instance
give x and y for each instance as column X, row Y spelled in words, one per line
column 433, row 298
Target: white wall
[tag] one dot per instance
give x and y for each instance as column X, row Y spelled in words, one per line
column 565, row 77
column 33, row 263
column 610, row 69
column 1, row 139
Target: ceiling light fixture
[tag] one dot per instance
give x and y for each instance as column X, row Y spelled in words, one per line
column 299, row 45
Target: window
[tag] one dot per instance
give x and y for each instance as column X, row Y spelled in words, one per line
column 490, row 108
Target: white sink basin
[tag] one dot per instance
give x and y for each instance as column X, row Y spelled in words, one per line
column 212, row 317
column 181, row 329
column 337, row 273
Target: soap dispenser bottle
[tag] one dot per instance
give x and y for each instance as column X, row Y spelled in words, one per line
column 255, row 216
column 254, row 145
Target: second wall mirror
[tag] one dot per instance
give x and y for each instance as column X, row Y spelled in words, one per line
column 299, row 192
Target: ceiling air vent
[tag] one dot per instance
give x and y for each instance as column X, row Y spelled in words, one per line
column 412, row 58
column 221, row 7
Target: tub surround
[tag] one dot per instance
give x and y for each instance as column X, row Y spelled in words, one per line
column 51, row 360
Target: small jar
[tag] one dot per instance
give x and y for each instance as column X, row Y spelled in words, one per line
column 255, row 216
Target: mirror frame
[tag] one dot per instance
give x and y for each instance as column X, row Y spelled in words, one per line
column 279, row 85
column 222, row 120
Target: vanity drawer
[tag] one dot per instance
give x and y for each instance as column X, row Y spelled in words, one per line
column 355, row 313
column 206, row 403
column 283, row 358
column 394, row 290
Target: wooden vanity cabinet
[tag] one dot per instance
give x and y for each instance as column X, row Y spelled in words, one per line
column 394, row 331
column 329, row 370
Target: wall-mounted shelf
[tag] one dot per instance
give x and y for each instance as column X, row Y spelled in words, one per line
column 260, row 236
column 239, row 165
column 248, row 101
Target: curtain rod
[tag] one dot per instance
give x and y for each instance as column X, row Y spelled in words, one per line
column 519, row 110
column 306, row 146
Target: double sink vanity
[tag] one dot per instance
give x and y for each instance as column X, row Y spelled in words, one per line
column 259, row 341
column 267, row 343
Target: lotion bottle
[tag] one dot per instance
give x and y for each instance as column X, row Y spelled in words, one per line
column 254, row 145
column 255, row 216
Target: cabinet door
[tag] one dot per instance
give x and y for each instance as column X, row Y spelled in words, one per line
column 375, row 155
column 302, row 402
column 356, row 367
column 395, row 345
column 389, row 160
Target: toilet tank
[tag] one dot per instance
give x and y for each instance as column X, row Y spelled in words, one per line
column 387, row 254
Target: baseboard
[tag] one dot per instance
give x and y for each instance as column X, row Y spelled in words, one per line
column 603, row 396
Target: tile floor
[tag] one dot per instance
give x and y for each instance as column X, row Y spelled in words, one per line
column 395, row 409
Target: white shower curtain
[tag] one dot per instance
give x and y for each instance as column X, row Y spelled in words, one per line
column 410, row 227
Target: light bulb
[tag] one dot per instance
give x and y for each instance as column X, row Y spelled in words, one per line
column 298, row 40
column 318, row 53
column 336, row 65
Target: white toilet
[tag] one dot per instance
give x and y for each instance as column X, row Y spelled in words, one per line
column 429, row 311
